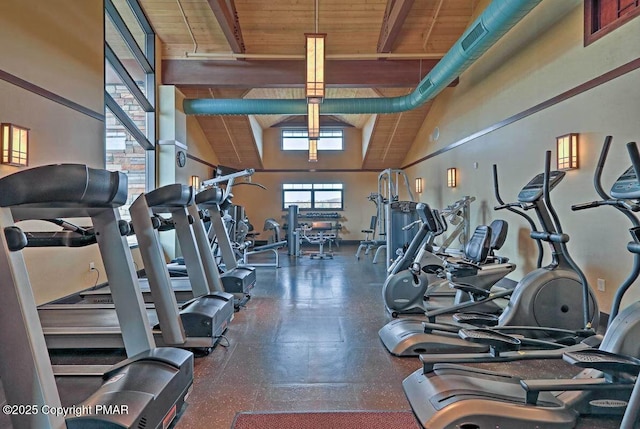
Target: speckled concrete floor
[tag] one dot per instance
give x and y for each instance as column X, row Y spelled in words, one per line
column 307, row 340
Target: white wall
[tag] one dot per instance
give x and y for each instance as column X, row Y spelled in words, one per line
column 542, row 57
column 61, row 50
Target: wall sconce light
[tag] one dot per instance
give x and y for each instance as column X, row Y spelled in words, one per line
column 195, row 182
column 452, row 177
column 567, row 154
column 15, row 145
column 314, row 82
column 419, row 185
column 313, row 150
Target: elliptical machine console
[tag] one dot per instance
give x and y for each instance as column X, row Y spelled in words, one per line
column 627, row 186
column 532, row 191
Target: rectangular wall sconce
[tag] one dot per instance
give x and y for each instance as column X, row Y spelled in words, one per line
column 15, row 145
column 195, row 182
column 419, row 185
column 314, row 82
column 567, row 151
column 313, row 121
column 452, row 177
column 313, row 150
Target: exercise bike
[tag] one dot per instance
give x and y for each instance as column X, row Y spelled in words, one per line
column 407, row 289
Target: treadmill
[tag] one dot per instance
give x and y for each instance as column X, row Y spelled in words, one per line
column 152, row 383
column 236, row 279
column 196, row 324
column 235, row 283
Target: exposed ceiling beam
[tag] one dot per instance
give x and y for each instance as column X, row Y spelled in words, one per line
column 394, row 16
column 290, row 74
column 326, row 121
column 432, row 24
column 225, row 12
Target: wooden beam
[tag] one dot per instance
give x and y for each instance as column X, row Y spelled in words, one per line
column 290, row 73
column 227, row 16
column 394, row 16
column 432, row 24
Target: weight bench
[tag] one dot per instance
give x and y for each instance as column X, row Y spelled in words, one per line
column 320, row 237
column 369, row 244
column 269, row 225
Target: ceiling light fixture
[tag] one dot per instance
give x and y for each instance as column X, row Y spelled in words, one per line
column 313, row 150
column 314, row 82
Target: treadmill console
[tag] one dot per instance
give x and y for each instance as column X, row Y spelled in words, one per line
column 627, row 186
column 533, row 190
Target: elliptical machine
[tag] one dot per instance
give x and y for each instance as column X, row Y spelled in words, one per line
column 544, row 298
column 483, row 398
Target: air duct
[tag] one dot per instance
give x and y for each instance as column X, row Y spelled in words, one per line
column 498, row 18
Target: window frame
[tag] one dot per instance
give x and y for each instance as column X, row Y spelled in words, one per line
column 145, row 56
column 591, row 11
column 306, row 133
column 313, row 191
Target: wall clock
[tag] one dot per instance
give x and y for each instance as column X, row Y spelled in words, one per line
column 181, row 158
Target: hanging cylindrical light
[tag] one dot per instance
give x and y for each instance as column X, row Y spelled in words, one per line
column 313, row 150
column 314, row 82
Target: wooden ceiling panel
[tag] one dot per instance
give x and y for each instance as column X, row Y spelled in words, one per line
column 278, row 26
column 393, row 135
column 275, row 29
column 232, row 140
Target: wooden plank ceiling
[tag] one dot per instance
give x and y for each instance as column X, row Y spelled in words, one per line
column 255, row 49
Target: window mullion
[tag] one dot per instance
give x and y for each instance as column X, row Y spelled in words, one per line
column 127, row 122
column 122, row 72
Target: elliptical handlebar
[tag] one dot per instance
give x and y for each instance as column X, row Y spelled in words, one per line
column 562, row 244
column 622, row 204
column 510, row 207
column 632, row 148
column 597, row 175
column 625, row 208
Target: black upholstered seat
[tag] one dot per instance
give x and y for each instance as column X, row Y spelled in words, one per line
column 478, row 247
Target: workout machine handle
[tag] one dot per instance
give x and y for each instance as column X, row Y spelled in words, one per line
column 563, row 246
column 622, row 204
column 411, row 225
column 510, row 207
column 506, row 206
column 545, row 236
column 597, row 176
column 584, row 206
column 632, row 148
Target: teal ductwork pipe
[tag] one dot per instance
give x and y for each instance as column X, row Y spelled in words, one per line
column 498, row 18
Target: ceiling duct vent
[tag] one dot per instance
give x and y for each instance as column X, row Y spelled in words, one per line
column 426, row 85
column 473, row 36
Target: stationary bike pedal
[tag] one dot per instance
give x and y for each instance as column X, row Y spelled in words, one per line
column 476, row 318
column 603, row 361
column 497, row 341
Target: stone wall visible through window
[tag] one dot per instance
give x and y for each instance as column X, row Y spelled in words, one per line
column 123, row 152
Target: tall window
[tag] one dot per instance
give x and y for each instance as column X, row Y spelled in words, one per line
column 130, row 95
column 298, row 139
column 313, row 196
column 603, row 16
